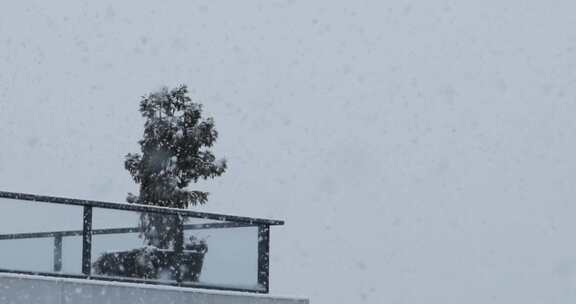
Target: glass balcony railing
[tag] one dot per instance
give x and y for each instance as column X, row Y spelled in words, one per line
column 63, row 237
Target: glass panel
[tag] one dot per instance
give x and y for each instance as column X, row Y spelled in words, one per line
column 231, row 258
column 72, row 254
column 27, row 255
column 173, row 248
column 27, row 236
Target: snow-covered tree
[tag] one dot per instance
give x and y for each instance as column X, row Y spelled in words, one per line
column 175, row 151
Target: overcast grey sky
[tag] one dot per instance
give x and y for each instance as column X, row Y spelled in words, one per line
column 418, row 150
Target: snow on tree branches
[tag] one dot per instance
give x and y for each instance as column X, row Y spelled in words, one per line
column 174, row 153
column 174, row 150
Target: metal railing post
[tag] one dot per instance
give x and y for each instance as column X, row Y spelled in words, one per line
column 264, row 256
column 57, row 253
column 179, row 246
column 87, row 241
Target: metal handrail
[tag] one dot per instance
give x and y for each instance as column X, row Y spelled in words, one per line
column 137, row 207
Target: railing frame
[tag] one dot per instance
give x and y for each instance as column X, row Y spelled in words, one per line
column 263, row 271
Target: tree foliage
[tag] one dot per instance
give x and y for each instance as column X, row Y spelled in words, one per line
column 175, row 151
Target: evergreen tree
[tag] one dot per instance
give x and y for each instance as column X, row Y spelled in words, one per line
column 175, row 151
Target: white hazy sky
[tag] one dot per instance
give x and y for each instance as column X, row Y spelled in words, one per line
column 419, row 151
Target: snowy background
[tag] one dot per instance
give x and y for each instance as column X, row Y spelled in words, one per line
column 419, row 151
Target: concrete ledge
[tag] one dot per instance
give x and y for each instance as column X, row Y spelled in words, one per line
column 28, row 289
